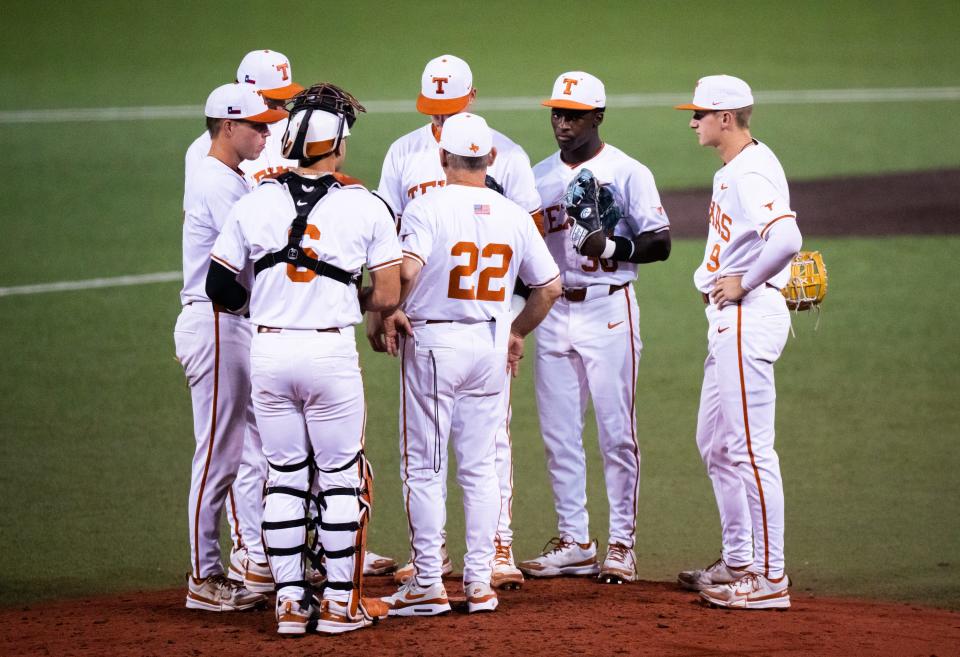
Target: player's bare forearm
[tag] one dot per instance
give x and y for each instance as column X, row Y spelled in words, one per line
column 645, row 247
column 409, row 270
column 538, row 305
column 383, row 294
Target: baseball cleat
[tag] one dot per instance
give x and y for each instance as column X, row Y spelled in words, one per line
column 293, row 617
column 374, row 564
column 334, row 618
column 480, row 597
column 217, row 593
column 238, row 558
column 752, row 591
column 566, row 557
column 415, row 600
column 505, row 573
column 403, row 575
column 619, row 566
column 713, row 575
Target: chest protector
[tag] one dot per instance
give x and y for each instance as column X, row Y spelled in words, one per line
column 306, row 193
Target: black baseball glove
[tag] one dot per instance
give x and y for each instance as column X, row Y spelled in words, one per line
column 593, row 208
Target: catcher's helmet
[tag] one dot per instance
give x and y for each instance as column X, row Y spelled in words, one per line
column 320, row 117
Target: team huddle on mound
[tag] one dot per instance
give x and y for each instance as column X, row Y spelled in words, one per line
column 468, row 249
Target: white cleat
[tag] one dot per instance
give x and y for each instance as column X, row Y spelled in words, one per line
column 217, row 593
column 566, row 557
column 480, row 597
column 334, row 618
column 505, row 573
column 415, row 600
column 293, row 618
column 619, row 566
column 374, row 564
column 752, row 591
column 713, row 575
column 403, row 575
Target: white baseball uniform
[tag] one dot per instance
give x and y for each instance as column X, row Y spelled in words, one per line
column 590, row 344
column 411, row 169
column 245, row 499
column 307, row 389
column 735, row 424
column 270, row 163
column 213, row 347
column 473, row 244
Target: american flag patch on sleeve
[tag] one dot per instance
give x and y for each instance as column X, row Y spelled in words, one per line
column 481, row 209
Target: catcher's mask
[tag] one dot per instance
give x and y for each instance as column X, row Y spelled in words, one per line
column 309, row 136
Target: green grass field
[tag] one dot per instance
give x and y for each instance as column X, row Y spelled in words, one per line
column 95, row 415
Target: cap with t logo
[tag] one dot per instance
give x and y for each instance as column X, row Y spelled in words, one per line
column 445, row 86
column 577, row 90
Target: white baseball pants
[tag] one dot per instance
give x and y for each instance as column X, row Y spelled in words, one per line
column 452, row 376
column 214, row 350
column 308, row 398
column 591, row 348
column 735, row 427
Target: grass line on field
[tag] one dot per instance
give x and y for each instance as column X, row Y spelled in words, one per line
column 507, row 103
column 92, row 283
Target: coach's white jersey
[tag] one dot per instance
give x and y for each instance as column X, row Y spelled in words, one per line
column 473, row 244
column 270, row 162
column 412, row 169
column 349, row 227
column 210, row 192
column 642, row 212
column 750, row 194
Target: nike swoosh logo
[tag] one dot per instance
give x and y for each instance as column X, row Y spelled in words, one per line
column 717, row 102
column 411, row 596
column 610, row 325
column 721, row 330
column 300, row 204
column 722, row 186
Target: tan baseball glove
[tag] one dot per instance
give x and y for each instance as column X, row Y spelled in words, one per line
column 808, row 281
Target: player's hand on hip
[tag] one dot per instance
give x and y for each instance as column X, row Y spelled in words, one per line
column 374, row 331
column 727, row 291
column 395, row 325
column 514, row 354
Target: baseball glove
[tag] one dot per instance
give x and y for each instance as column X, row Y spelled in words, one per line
column 808, row 281
column 592, row 207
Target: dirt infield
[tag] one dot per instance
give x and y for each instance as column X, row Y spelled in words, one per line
column 923, row 203
column 567, row 616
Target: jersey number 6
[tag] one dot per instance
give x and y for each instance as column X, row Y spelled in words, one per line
column 482, row 291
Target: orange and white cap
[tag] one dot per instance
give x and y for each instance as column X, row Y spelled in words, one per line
column 466, row 134
column 445, row 86
column 323, row 133
column 270, row 73
column 719, row 92
column 241, row 102
column 577, row 90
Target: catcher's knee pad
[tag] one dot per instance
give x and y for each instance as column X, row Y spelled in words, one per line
column 287, row 513
column 344, row 501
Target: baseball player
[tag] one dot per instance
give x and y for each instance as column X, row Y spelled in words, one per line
column 307, row 387
column 212, row 343
column 590, row 344
column 463, row 245
column 411, row 169
column 269, row 73
column 752, row 238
